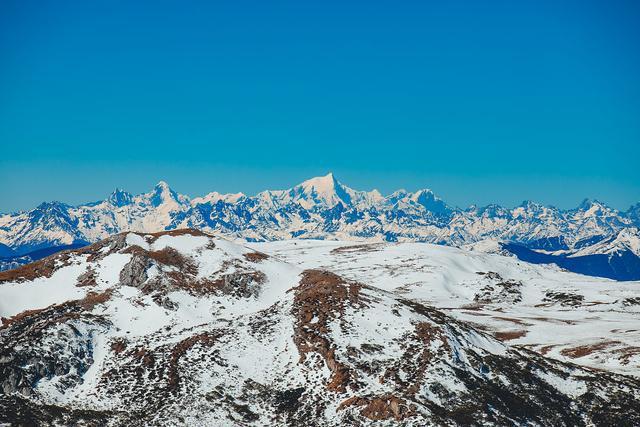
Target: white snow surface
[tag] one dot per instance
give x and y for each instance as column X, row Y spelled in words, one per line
column 256, row 330
column 447, row 278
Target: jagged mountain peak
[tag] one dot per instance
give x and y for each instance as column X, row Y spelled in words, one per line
column 49, row 206
column 322, row 190
column 214, row 197
column 491, row 211
column 592, row 205
column 162, row 185
column 120, row 198
column 430, row 201
column 162, row 194
column 326, row 184
column 50, row 211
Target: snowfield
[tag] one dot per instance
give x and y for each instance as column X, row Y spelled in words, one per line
column 585, row 320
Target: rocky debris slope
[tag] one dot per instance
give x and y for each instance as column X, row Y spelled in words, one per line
column 181, row 328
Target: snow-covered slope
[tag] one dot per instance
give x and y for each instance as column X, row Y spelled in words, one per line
column 319, row 208
column 181, row 328
column 570, row 317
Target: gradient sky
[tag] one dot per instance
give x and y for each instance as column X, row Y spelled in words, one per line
column 493, row 101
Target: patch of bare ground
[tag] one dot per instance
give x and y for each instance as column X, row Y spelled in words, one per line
column 631, row 301
column 44, row 267
column 546, row 349
column 586, row 350
column 233, row 278
column 410, row 369
column 88, row 278
column 242, row 283
column 8, row 321
column 255, row 256
column 625, row 354
column 150, row 376
column 553, row 320
column 180, row 349
column 119, row 345
column 380, row 408
column 474, row 306
column 565, row 299
column 491, row 275
column 320, row 297
column 509, row 335
column 94, row 298
column 68, row 309
column 166, row 256
column 103, row 248
column 115, row 243
column 476, row 313
column 506, row 291
column 178, row 232
column 364, row 248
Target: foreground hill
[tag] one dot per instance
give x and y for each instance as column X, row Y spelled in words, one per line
column 179, row 327
column 570, row 317
column 324, row 208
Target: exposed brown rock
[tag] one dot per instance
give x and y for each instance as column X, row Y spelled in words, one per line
column 96, row 251
column 67, row 309
column 416, row 358
column 585, row 350
column 93, row 298
column 255, row 256
column 509, row 335
column 20, row 316
column 88, row 278
column 173, row 375
column 626, row 353
column 166, row 256
column 44, row 267
column 320, row 297
column 380, row 408
column 364, row 248
column 119, row 345
column 145, row 357
column 179, row 232
column 503, row 291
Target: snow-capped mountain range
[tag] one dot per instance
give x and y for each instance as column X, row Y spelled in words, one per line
column 324, row 208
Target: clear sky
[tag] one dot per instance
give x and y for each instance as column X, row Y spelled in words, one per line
column 482, row 101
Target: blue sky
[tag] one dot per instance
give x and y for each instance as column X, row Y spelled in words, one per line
column 495, row 102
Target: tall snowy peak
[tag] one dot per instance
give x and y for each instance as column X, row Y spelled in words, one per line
column 318, row 208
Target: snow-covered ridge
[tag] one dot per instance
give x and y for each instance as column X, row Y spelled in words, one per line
column 180, row 327
column 323, row 208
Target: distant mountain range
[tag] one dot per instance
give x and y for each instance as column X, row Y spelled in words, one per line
column 592, row 239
